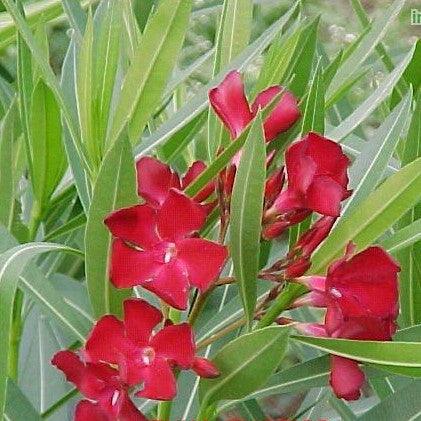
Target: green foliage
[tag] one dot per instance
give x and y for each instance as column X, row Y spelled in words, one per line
column 133, row 82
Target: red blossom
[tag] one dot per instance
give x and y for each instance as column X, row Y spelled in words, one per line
column 154, row 248
column 317, row 182
column 361, row 297
column 101, row 384
column 145, row 356
column 155, row 179
column 231, row 105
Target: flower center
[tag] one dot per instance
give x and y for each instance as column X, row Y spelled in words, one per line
column 115, row 397
column 336, row 293
column 170, row 253
column 148, row 355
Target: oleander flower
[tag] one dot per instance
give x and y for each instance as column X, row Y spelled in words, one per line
column 159, row 250
column 317, row 178
column 143, row 354
column 107, row 395
column 360, row 293
column 231, row 105
column 155, row 179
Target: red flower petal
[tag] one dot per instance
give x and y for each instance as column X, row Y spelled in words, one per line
column 176, row 343
column 136, row 224
column 159, row 381
column 328, row 157
column 106, row 340
column 324, row 196
column 130, row 267
column 171, row 285
column 89, row 411
column 300, row 168
column 230, row 103
column 140, row 318
column 203, row 260
column 205, row 368
column 179, row 217
column 90, row 380
column 346, row 378
column 366, row 284
column 192, row 173
column 284, row 115
column 154, row 180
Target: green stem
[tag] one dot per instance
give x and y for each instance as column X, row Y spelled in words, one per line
column 281, row 303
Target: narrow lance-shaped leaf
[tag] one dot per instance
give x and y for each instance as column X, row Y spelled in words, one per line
column 12, row 264
column 232, row 37
column 108, row 21
column 410, row 277
column 368, row 221
column 84, row 94
column 399, row 354
column 366, row 46
column 150, row 69
column 372, row 102
column 200, row 101
column 9, row 132
column 115, row 188
column 47, row 151
column 403, row 238
column 368, row 169
column 246, row 215
column 245, row 365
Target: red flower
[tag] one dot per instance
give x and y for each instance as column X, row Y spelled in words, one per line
column 142, row 355
column 101, row 384
column 155, row 179
column 361, row 294
column 317, row 182
column 164, row 258
column 230, row 103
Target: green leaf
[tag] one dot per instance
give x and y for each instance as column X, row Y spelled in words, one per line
column 84, row 95
column 372, row 102
column 403, row 238
column 300, row 377
column 368, row 169
column 115, row 188
column 150, row 69
column 369, row 220
column 9, row 132
column 18, row 407
column 41, row 291
column 404, row 404
column 199, row 102
column 46, row 10
column 246, row 216
column 366, row 46
column 313, row 118
column 108, row 21
column 12, row 264
column 232, row 37
column 73, row 224
column 47, row 152
column 410, row 276
column 245, row 364
column 76, row 15
column 399, row 354
column 49, row 78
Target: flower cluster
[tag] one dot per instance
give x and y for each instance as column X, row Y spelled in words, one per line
column 122, row 355
column 360, row 294
column 157, row 245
